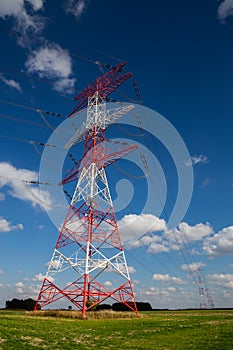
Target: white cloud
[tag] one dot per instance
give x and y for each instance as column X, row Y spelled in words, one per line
column 27, row 22
column 222, row 279
column 10, row 82
column 1, row 285
column 148, row 241
column 160, row 277
column 219, row 244
column 19, row 285
column 108, row 283
column 196, row 232
column 76, row 8
column 133, row 226
column 53, row 263
column 158, row 294
column 131, row 269
column 11, row 7
column 52, row 62
column 136, row 281
column 11, row 176
column 158, row 248
column 167, row 278
column 40, row 278
column 65, row 85
column 197, row 266
column 37, row 4
column 5, row 226
column 225, row 10
column 19, row 290
column 178, row 280
column 140, row 230
column 186, row 234
column 198, row 159
column 1, row 272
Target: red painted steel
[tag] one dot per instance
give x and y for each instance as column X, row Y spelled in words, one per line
column 92, row 227
column 104, row 84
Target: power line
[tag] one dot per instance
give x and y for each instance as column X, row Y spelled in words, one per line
column 19, row 105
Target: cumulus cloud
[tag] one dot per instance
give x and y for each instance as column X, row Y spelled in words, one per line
column 131, row 269
column 196, row 232
column 197, row 266
column 222, row 279
column 198, row 159
column 37, row 4
column 220, row 243
column 27, row 22
column 40, row 278
column 186, row 234
column 6, row 226
column 19, row 285
column 133, row 226
column 76, row 8
column 10, row 177
column 159, row 294
column 225, row 10
column 167, row 278
column 10, row 82
column 108, row 283
column 52, row 62
column 20, row 290
column 154, row 243
column 151, row 232
column 158, row 248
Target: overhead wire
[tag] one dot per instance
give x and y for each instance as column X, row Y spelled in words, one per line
column 32, row 182
column 23, row 121
column 164, row 210
column 185, row 246
column 141, row 241
column 20, row 105
column 46, row 204
column 184, row 242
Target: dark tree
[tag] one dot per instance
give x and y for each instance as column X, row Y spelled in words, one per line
column 141, row 306
column 103, row 307
column 24, row 304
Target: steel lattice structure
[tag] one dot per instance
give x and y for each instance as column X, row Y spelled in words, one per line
column 89, row 246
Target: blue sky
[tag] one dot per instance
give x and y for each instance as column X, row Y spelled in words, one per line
column 180, row 54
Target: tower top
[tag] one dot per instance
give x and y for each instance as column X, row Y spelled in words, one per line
column 105, row 84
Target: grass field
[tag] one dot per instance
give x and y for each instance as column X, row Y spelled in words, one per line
column 203, row 329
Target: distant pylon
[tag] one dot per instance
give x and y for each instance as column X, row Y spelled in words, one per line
column 206, row 300
column 88, row 264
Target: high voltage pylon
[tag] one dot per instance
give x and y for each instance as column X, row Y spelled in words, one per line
column 88, row 264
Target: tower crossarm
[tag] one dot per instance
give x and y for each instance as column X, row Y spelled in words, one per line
column 109, row 118
column 95, row 155
column 105, row 84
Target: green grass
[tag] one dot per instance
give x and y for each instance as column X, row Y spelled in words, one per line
column 204, row 329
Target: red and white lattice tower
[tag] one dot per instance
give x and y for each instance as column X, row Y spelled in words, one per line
column 88, row 264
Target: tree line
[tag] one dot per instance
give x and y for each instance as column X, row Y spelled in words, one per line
column 29, row 304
